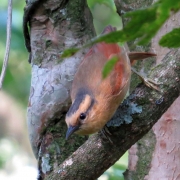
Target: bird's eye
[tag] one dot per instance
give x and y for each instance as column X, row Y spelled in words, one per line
column 82, row 116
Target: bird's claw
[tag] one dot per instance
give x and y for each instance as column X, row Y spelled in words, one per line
column 148, row 82
column 105, row 132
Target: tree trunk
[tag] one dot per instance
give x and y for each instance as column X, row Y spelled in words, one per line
column 54, row 26
column 57, row 25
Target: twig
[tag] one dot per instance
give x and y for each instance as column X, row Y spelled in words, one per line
column 8, row 41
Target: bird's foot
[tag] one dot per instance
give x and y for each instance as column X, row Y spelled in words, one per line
column 106, row 134
column 148, row 82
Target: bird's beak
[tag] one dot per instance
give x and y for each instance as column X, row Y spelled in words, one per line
column 71, row 130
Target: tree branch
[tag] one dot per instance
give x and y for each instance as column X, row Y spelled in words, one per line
column 8, row 42
column 97, row 155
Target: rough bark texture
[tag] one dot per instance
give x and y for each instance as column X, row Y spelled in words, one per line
column 54, row 26
column 165, row 162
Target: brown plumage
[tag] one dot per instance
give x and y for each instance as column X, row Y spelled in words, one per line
column 94, row 99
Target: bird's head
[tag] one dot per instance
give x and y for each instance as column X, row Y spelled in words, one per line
column 81, row 115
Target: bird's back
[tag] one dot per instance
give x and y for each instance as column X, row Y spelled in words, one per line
column 89, row 73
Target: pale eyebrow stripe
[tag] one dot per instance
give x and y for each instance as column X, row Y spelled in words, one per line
column 80, row 97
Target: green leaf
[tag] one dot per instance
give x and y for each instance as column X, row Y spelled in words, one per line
column 171, row 39
column 108, row 67
column 143, row 25
column 69, row 52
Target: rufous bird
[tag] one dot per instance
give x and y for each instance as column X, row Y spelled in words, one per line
column 94, row 98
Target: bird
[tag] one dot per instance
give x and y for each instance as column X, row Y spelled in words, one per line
column 94, row 98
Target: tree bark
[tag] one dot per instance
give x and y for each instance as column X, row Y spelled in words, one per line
column 57, row 25
column 54, row 26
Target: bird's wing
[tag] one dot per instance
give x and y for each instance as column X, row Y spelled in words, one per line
column 89, row 73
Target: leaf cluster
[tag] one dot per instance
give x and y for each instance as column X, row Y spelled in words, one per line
column 143, row 25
